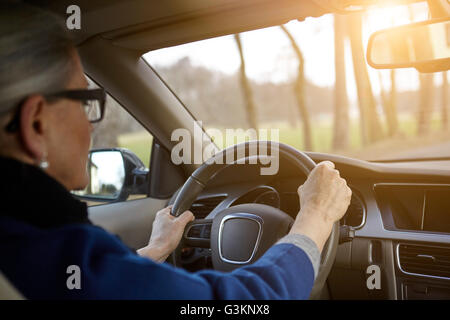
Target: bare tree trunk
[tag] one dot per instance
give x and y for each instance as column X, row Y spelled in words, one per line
column 389, row 103
column 371, row 129
column 393, row 115
column 341, row 117
column 247, row 90
column 299, row 90
column 425, row 97
column 444, row 105
column 425, row 103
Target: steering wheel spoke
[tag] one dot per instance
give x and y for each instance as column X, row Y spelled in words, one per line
column 198, row 233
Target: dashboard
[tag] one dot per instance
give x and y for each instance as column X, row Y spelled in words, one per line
column 399, row 218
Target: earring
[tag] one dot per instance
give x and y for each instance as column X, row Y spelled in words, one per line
column 43, row 163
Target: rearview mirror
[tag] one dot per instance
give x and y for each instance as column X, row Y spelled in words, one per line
column 114, row 174
column 424, row 46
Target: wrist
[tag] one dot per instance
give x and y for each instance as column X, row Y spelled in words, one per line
column 153, row 252
column 313, row 226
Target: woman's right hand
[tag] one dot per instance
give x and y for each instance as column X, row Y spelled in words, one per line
column 324, row 199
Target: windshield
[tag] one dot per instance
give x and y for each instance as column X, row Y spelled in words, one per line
column 310, row 81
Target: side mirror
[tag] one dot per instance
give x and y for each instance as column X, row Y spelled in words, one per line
column 115, row 174
column 424, row 46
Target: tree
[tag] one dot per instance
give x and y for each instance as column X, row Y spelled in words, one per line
column 425, row 107
column 299, row 90
column 425, row 103
column 389, row 103
column 389, row 100
column 444, row 105
column 341, row 117
column 247, row 90
column 371, row 130
column 115, row 122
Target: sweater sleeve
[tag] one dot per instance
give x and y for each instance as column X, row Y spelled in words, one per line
column 109, row 270
column 306, row 244
column 285, row 271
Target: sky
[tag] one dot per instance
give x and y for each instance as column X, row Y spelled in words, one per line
column 269, row 56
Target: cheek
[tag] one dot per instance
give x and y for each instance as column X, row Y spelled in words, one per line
column 68, row 146
column 85, row 134
column 81, row 129
column 79, row 149
column 74, row 138
column 83, row 139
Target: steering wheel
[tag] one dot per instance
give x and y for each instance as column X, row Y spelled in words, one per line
column 241, row 234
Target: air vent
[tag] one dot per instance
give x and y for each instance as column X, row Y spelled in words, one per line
column 202, row 207
column 424, row 260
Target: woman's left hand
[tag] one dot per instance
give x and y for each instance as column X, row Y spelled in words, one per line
column 166, row 234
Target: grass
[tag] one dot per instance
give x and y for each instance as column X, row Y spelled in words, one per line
column 322, row 133
column 138, row 142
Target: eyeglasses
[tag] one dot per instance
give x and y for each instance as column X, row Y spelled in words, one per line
column 93, row 103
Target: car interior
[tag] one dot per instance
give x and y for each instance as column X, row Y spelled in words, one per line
column 399, row 216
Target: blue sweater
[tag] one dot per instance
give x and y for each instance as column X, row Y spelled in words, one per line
column 36, row 262
column 40, row 239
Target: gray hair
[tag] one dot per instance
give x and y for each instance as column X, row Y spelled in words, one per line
column 36, row 53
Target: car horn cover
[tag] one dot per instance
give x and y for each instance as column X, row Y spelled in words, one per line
column 237, row 234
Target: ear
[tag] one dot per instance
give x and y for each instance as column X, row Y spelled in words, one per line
column 33, row 121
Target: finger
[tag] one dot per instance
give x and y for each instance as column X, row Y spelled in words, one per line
column 186, row 217
column 166, row 209
column 323, row 168
column 334, row 174
column 349, row 192
column 299, row 191
column 328, row 164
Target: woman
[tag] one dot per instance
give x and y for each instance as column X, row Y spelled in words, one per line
column 45, row 122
